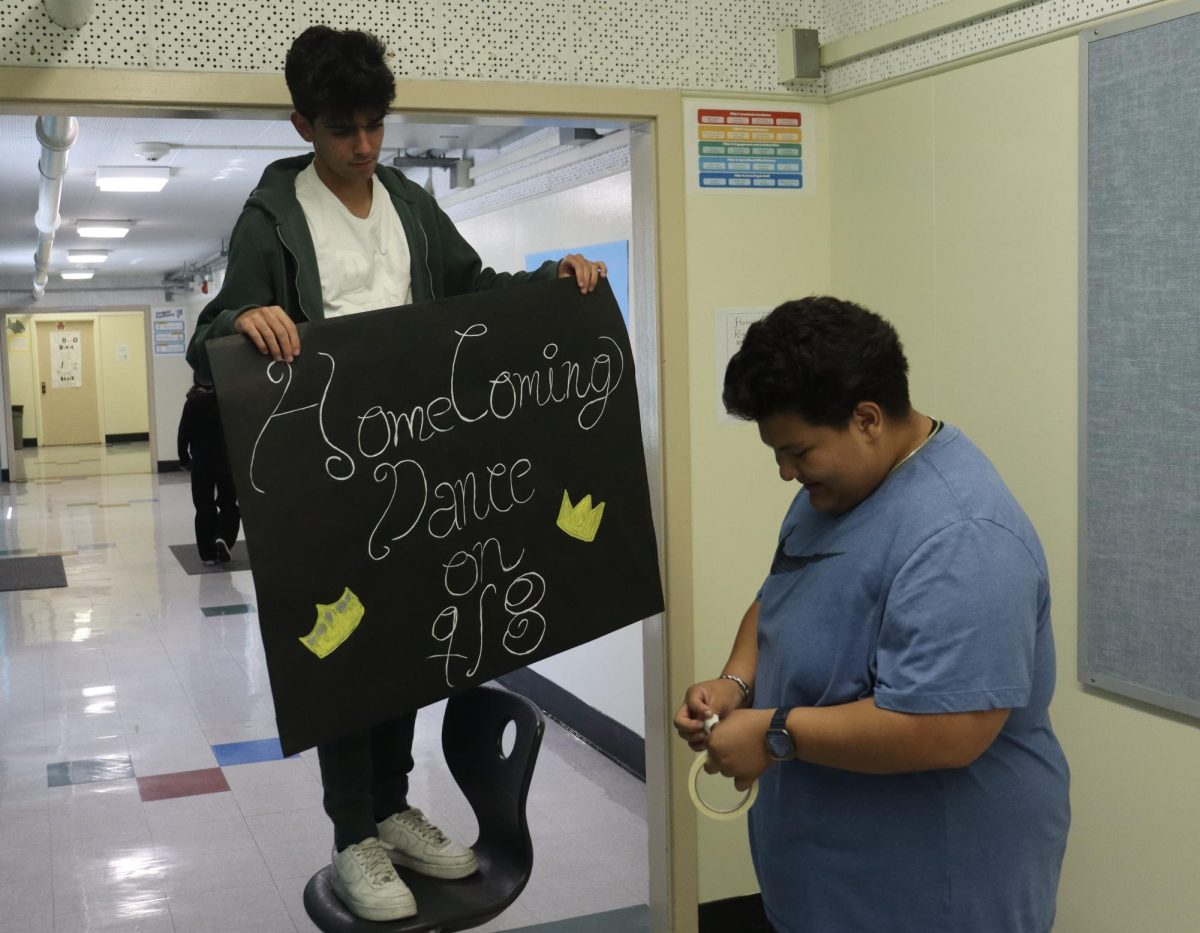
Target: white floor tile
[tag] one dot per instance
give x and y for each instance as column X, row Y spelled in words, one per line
column 252, row 908
column 141, row 917
column 187, row 811
column 200, row 870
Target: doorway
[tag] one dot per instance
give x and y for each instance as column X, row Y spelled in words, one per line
column 79, row 389
column 646, row 280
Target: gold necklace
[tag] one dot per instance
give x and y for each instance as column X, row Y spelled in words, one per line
column 937, row 426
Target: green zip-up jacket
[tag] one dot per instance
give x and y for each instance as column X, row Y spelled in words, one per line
column 272, row 260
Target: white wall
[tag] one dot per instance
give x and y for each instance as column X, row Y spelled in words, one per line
column 606, row 673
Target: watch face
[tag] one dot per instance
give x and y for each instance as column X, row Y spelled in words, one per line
column 779, row 745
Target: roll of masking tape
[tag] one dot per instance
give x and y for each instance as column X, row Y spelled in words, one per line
column 694, row 787
column 712, row 812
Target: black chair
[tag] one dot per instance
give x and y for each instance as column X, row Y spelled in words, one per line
column 496, row 786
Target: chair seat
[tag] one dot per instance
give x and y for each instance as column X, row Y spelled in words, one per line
column 441, row 905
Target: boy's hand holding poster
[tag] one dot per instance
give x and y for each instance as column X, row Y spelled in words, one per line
column 437, row 495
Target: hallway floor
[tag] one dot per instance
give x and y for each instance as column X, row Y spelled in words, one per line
column 141, row 785
column 80, row 460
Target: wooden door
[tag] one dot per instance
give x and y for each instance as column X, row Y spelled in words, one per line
column 67, row 370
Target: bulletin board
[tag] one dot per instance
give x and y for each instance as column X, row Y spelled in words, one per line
column 1139, row 505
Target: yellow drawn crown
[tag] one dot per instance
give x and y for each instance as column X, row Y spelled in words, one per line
column 580, row 521
column 335, row 623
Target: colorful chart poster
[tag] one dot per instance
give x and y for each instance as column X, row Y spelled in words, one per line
column 741, row 149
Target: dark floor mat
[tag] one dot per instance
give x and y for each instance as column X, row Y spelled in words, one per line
column 189, row 559
column 32, row 573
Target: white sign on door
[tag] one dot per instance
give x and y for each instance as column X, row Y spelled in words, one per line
column 66, row 360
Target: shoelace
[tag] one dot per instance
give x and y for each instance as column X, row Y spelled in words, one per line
column 415, row 820
column 374, row 861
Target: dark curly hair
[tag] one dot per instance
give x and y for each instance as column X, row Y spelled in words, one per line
column 337, row 75
column 817, row 357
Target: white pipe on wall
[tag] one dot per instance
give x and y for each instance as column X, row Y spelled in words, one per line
column 57, row 135
column 70, row 14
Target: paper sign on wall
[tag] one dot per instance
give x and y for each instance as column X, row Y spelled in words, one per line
column 732, row 324
column 66, row 360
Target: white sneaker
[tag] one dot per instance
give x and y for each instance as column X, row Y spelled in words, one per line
column 416, row 843
column 365, row 881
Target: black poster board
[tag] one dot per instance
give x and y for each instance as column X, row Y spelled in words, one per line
column 436, row 495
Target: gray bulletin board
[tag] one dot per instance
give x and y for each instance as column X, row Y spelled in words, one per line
column 1140, row 358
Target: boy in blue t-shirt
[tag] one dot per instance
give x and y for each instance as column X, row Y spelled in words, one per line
column 890, row 683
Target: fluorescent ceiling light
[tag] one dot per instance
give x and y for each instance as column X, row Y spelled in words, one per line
column 106, row 229
column 81, row 274
column 133, row 178
column 87, row 255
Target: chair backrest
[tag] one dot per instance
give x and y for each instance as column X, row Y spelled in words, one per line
column 495, row 785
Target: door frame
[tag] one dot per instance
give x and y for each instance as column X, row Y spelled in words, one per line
column 669, row 658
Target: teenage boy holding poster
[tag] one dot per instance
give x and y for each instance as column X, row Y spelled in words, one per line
column 324, row 235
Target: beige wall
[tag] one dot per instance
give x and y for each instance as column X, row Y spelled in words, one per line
column 743, row 251
column 956, row 215
column 122, row 396
column 126, row 409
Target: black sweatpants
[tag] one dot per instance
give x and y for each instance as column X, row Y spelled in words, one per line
column 365, row 777
column 217, row 512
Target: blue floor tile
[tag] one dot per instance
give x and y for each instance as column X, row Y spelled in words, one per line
column 245, row 753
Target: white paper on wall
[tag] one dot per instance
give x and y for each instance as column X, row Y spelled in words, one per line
column 66, row 360
column 731, row 328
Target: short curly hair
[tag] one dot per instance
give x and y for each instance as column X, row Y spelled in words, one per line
column 337, row 75
column 817, row 357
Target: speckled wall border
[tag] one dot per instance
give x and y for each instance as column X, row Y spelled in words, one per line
column 698, row 44
column 1034, row 18
column 702, row 45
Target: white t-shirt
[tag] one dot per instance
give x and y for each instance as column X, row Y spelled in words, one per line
column 364, row 262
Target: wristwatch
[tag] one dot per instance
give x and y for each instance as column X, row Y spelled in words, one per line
column 779, row 740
